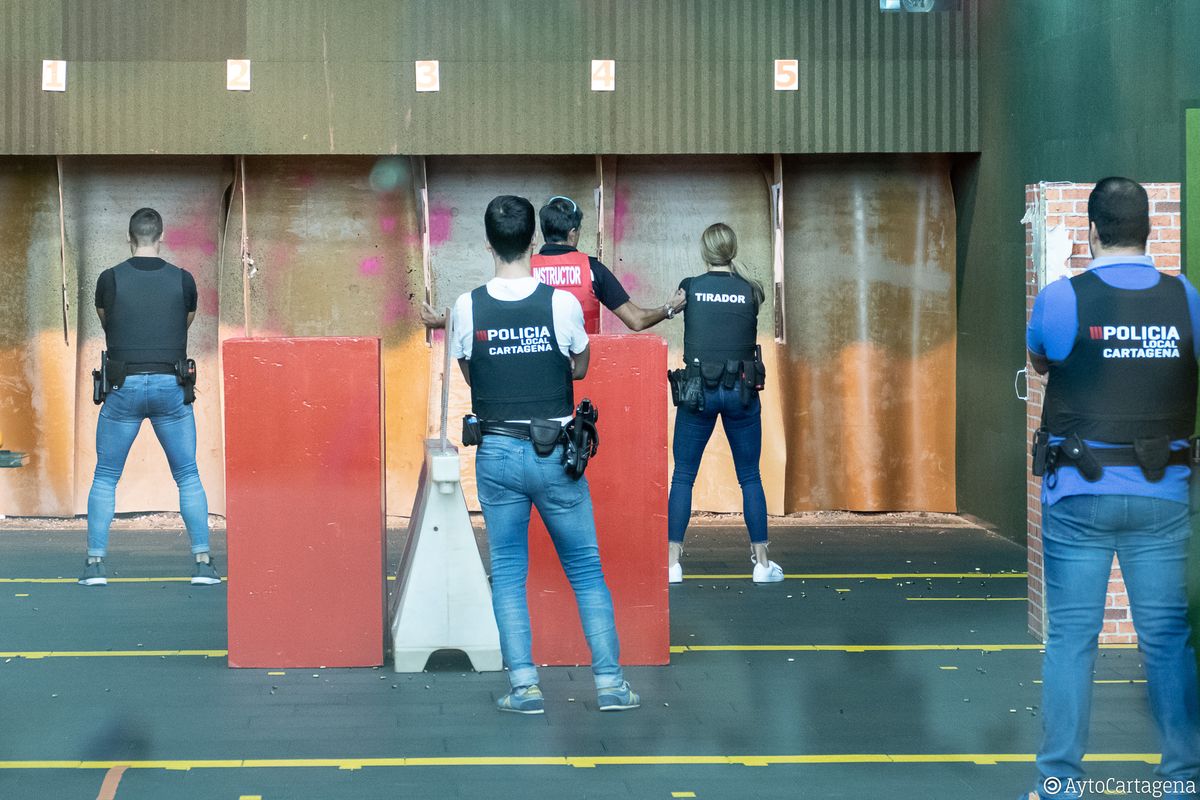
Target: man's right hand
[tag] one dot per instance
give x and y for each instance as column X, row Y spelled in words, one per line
column 432, row 318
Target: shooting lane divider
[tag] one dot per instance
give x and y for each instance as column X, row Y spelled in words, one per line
column 62, row 251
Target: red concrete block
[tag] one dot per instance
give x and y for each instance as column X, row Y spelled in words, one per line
column 627, row 380
column 304, row 502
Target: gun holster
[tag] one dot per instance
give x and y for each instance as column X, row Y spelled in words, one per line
column 582, row 438
column 185, row 376
column 100, row 380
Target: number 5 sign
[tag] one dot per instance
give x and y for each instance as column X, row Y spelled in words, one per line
column 787, row 74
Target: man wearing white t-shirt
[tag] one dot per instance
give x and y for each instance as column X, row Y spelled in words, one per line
column 520, row 345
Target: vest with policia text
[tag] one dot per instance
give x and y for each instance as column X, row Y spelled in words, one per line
column 1131, row 373
column 720, row 320
column 148, row 320
column 517, row 369
column 571, row 272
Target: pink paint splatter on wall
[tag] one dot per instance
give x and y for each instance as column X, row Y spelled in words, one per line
column 631, row 281
column 372, row 265
column 439, row 224
column 395, row 308
column 192, row 237
column 209, row 302
column 620, row 214
column 387, row 224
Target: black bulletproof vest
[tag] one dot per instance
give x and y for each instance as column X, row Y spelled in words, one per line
column 720, row 321
column 1131, row 373
column 517, row 368
column 148, row 323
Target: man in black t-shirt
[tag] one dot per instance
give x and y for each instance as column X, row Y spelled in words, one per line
column 560, row 264
column 146, row 306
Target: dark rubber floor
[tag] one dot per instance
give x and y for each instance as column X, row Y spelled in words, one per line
column 957, row 707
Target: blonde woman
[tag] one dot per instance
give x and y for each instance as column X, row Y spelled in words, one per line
column 721, row 378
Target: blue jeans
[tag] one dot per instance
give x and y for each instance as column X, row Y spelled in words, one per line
column 1150, row 537
column 158, row 398
column 743, row 429
column 510, row 477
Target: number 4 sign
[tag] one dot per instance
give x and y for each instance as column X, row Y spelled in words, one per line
column 604, row 75
column 54, row 76
column 787, row 74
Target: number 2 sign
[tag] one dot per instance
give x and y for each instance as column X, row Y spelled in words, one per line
column 237, row 74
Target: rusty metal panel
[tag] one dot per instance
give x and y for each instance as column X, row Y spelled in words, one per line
column 37, row 367
column 100, row 195
column 337, row 250
column 693, row 76
column 870, row 357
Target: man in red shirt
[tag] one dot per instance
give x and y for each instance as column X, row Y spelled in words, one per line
column 561, row 265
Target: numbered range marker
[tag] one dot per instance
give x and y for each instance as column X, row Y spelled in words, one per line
column 54, row 76
column 604, row 75
column 429, row 77
column 237, row 74
column 787, row 74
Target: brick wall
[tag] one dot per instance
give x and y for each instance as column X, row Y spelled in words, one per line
column 1056, row 225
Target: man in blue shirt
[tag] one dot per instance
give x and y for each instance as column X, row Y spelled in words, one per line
column 1120, row 343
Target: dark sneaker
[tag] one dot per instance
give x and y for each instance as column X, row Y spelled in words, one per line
column 618, row 698
column 205, row 573
column 94, row 575
column 523, row 700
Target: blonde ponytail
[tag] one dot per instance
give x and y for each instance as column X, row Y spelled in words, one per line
column 718, row 247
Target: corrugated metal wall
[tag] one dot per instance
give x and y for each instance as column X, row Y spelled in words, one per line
column 692, row 76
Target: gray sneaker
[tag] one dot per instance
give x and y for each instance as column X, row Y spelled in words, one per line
column 94, row 575
column 205, row 573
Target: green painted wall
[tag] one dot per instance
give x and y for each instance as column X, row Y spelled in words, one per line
column 337, row 76
column 1069, row 90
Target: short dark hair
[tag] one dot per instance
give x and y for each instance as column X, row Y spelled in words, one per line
column 1121, row 211
column 508, row 222
column 559, row 216
column 145, row 226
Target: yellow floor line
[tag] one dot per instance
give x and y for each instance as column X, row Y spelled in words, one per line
column 796, row 576
column 576, row 761
column 1111, row 682
column 966, row 599
column 879, row 576
column 110, row 580
column 36, row 654
column 865, row 648
column 694, row 648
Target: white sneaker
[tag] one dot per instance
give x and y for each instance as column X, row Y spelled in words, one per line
column 768, row 573
column 675, row 573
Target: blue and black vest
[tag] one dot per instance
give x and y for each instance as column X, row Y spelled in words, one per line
column 1131, row 373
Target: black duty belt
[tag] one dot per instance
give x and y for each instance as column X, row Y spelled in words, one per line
column 1117, row 456
column 515, row 430
column 153, row 368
